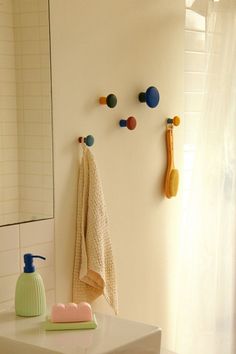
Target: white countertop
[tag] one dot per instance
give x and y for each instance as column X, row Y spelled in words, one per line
column 113, row 335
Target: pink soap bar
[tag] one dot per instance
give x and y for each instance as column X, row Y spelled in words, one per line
column 72, row 312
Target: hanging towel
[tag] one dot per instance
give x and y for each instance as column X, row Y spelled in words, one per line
column 94, row 272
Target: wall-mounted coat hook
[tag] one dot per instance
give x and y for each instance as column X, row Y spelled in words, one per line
column 129, row 123
column 175, row 121
column 110, row 100
column 88, row 140
column 151, row 97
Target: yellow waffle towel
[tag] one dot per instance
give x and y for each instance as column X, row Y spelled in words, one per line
column 94, row 272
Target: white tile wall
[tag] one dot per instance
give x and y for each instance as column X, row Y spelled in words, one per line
column 24, row 104
column 9, row 193
column 33, row 80
column 7, row 287
column 195, row 41
column 9, row 262
column 195, row 75
column 31, row 235
column 15, row 240
column 9, row 238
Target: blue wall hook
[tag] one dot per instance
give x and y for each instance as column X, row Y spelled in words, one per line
column 151, row 97
column 88, row 140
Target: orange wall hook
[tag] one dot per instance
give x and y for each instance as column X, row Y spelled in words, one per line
column 175, row 121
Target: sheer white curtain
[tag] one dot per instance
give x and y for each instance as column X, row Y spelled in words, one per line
column 206, row 322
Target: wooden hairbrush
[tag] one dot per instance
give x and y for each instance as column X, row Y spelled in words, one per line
column 172, row 174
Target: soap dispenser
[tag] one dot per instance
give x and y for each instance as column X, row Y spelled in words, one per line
column 30, row 298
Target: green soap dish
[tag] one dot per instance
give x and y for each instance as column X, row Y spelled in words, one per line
column 61, row 326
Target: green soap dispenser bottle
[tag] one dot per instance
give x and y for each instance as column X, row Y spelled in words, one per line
column 30, row 298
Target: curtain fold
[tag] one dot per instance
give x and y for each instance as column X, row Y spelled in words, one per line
column 207, row 277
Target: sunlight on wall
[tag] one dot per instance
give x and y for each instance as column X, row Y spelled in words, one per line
column 194, row 72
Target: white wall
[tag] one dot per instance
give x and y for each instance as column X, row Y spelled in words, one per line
column 99, row 47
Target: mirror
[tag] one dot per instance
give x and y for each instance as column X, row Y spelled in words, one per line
column 26, row 171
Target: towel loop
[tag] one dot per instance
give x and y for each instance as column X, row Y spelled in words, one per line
column 88, row 140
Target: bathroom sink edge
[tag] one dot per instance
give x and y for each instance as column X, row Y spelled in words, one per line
column 12, row 346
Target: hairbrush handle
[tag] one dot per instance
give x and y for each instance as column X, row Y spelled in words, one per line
column 170, row 148
column 171, row 173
